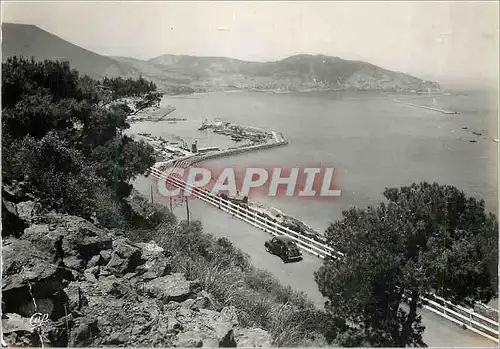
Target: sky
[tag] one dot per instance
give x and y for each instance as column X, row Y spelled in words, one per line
column 434, row 40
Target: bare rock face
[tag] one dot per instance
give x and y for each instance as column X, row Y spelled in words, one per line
column 84, row 333
column 76, row 297
column 26, row 210
column 101, row 290
column 74, row 263
column 20, row 330
column 12, row 224
column 17, row 329
column 94, row 261
column 105, row 256
column 122, row 316
column 30, row 274
column 116, row 287
column 125, row 258
column 158, row 262
column 212, row 328
column 171, row 288
column 68, row 236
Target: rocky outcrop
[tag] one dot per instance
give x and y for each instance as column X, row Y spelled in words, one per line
column 157, row 261
column 17, row 208
column 67, row 282
column 124, row 259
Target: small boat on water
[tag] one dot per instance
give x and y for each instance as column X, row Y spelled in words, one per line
column 495, row 140
column 204, row 125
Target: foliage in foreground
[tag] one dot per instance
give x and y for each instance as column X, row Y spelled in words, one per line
column 62, row 136
column 427, row 239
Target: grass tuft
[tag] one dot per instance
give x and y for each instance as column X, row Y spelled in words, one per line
column 226, row 272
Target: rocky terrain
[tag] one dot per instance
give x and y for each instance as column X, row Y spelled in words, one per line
column 181, row 74
column 97, row 288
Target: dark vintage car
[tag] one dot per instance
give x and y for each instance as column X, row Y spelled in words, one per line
column 284, row 247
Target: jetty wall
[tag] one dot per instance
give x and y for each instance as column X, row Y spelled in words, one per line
column 192, row 159
column 229, row 152
column 444, row 111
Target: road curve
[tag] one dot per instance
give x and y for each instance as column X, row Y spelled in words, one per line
column 438, row 333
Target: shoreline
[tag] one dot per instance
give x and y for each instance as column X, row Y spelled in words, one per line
column 415, row 94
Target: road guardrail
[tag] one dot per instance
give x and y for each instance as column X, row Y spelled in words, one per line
column 460, row 315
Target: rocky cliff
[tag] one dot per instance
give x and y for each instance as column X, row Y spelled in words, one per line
column 68, row 282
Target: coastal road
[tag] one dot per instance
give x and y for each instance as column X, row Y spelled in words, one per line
column 438, row 331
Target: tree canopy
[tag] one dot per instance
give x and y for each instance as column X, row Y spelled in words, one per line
column 427, row 239
column 62, row 134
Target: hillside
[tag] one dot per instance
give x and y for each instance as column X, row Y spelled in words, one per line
column 190, row 73
column 104, row 289
column 300, row 72
column 31, row 41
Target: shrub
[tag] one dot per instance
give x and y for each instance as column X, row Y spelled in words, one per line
column 109, row 211
column 65, row 142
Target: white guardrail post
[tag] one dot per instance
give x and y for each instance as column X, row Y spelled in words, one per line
column 468, row 318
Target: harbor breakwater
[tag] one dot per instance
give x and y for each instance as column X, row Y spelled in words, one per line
column 196, row 158
column 444, row 111
column 235, row 151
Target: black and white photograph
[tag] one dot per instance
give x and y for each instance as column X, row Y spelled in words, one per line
column 250, row 174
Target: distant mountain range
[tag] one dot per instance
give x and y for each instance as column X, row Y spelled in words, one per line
column 189, row 73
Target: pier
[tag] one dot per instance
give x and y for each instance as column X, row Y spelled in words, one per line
column 444, row 111
column 235, row 151
column 237, row 132
column 264, row 140
column 196, row 158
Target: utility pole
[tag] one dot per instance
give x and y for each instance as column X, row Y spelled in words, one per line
column 170, row 196
column 187, row 208
column 152, row 200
